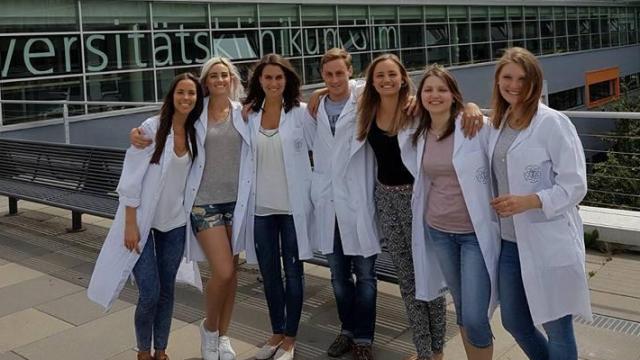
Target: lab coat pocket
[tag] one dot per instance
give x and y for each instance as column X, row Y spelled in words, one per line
column 555, row 241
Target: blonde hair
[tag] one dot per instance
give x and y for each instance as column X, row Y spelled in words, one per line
column 522, row 113
column 336, row 54
column 370, row 99
column 236, row 89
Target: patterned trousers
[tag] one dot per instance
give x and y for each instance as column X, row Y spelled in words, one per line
column 427, row 319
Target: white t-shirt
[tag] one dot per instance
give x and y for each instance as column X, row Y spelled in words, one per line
column 272, row 195
column 170, row 212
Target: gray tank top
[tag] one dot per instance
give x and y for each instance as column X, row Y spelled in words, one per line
column 500, row 179
column 222, row 146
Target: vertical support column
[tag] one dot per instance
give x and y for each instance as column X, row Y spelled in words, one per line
column 65, row 117
column 13, row 206
column 76, row 222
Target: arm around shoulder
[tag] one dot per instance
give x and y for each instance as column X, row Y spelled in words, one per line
column 136, row 163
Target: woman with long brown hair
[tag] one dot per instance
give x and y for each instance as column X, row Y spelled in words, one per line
column 150, row 228
column 380, row 117
column 278, row 213
column 539, row 178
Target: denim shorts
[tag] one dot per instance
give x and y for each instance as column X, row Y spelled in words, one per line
column 209, row 216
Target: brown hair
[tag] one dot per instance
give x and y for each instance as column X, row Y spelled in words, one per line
column 336, row 54
column 456, row 106
column 522, row 113
column 291, row 95
column 166, row 118
column 370, row 99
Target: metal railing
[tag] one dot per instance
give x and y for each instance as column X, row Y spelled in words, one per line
column 613, row 156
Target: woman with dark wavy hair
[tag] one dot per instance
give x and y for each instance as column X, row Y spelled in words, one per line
column 278, row 214
column 149, row 231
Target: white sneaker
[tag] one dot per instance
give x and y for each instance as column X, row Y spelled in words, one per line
column 267, row 351
column 282, row 354
column 224, row 348
column 208, row 343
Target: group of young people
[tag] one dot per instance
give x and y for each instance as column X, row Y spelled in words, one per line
column 483, row 208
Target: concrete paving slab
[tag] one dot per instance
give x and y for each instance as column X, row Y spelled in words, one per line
column 619, row 306
column 600, row 344
column 3, row 262
column 619, row 276
column 125, row 355
column 27, row 326
column 10, row 356
column 13, row 273
column 77, row 309
column 34, row 292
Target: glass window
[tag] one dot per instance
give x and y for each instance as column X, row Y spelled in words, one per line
column 583, row 12
column 585, row 42
column 460, row 54
column 114, row 15
column 558, row 13
column 234, row 16
column 499, row 48
column 531, row 13
column 281, row 41
column 479, row 13
column 134, row 86
column 180, row 15
column 413, row 59
column 411, row 36
column 574, row 43
column 181, row 48
column 438, row 14
column 279, row 15
column 547, row 46
column 560, row 28
column 383, row 15
column 546, row 28
column 595, row 41
column 439, row 55
column 546, row 13
column 600, row 91
column 107, row 52
column 564, row 100
column 572, row 27
column 515, row 12
column 572, row 13
column 456, row 14
column 499, row 31
column 355, row 39
column 359, row 63
column 38, row 16
column 69, row 88
column 480, row 32
column 22, row 56
column 459, row 33
column 561, row 44
column 517, row 30
column 531, row 29
column 165, row 78
column 385, row 37
column 411, row 14
column 533, row 46
column 319, row 40
column 312, row 70
column 236, row 45
column 481, row 52
column 584, row 26
column 498, row 12
column 318, row 15
column 437, row 35
column 353, row 15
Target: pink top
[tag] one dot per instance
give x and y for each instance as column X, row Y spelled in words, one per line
column 446, row 209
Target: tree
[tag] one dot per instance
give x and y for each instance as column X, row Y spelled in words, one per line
column 615, row 182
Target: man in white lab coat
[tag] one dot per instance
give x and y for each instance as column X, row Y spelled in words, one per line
column 344, row 212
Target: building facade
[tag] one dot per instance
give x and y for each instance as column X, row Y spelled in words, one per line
column 128, row 50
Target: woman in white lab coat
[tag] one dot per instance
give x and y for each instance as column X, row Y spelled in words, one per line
column 149, row 231
column 279, row 206
column 455, row 232
column 539, row 177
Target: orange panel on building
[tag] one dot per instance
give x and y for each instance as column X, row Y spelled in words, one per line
column 610, row 76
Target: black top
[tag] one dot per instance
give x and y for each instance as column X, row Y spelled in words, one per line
column 391, row 170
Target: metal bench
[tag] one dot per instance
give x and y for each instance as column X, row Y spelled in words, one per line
column 79, row 178
column 384, row 266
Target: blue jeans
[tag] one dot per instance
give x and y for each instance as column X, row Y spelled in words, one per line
column 468, row 280
column 275, row 235
column 155, row 274
column 356, row 301
column 560, row 343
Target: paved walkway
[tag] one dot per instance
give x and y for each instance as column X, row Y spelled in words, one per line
column 44, row 312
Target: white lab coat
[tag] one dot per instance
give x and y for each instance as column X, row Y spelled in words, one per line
column 140, row 186
column 547, row 158
column 195, row 174
column 295, row 145
column 472, row 169
column 342, row 184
